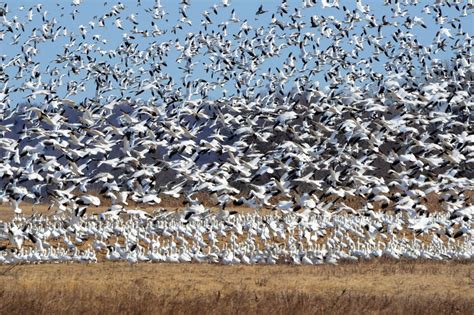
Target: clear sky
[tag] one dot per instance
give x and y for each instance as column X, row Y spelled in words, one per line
column 92, row 10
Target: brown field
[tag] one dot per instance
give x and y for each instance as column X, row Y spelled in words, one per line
column 372, row 287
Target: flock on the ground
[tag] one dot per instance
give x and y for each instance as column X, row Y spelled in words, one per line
column 347, row 131
column 238, row 238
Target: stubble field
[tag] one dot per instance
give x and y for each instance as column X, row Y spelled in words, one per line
column 378, row 286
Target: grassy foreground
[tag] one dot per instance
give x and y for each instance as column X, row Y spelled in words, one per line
column 380, row 286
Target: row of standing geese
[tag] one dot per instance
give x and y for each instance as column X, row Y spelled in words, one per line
column 233, row 238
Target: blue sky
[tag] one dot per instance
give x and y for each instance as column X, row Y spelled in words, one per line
column 244, row 9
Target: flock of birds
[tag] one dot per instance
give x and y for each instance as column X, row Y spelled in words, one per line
column 236, row 238
column 292, row 114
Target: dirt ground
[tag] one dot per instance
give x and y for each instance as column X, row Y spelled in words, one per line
column 376, row 286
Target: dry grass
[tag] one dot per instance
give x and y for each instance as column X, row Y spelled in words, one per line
column 380, row 286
